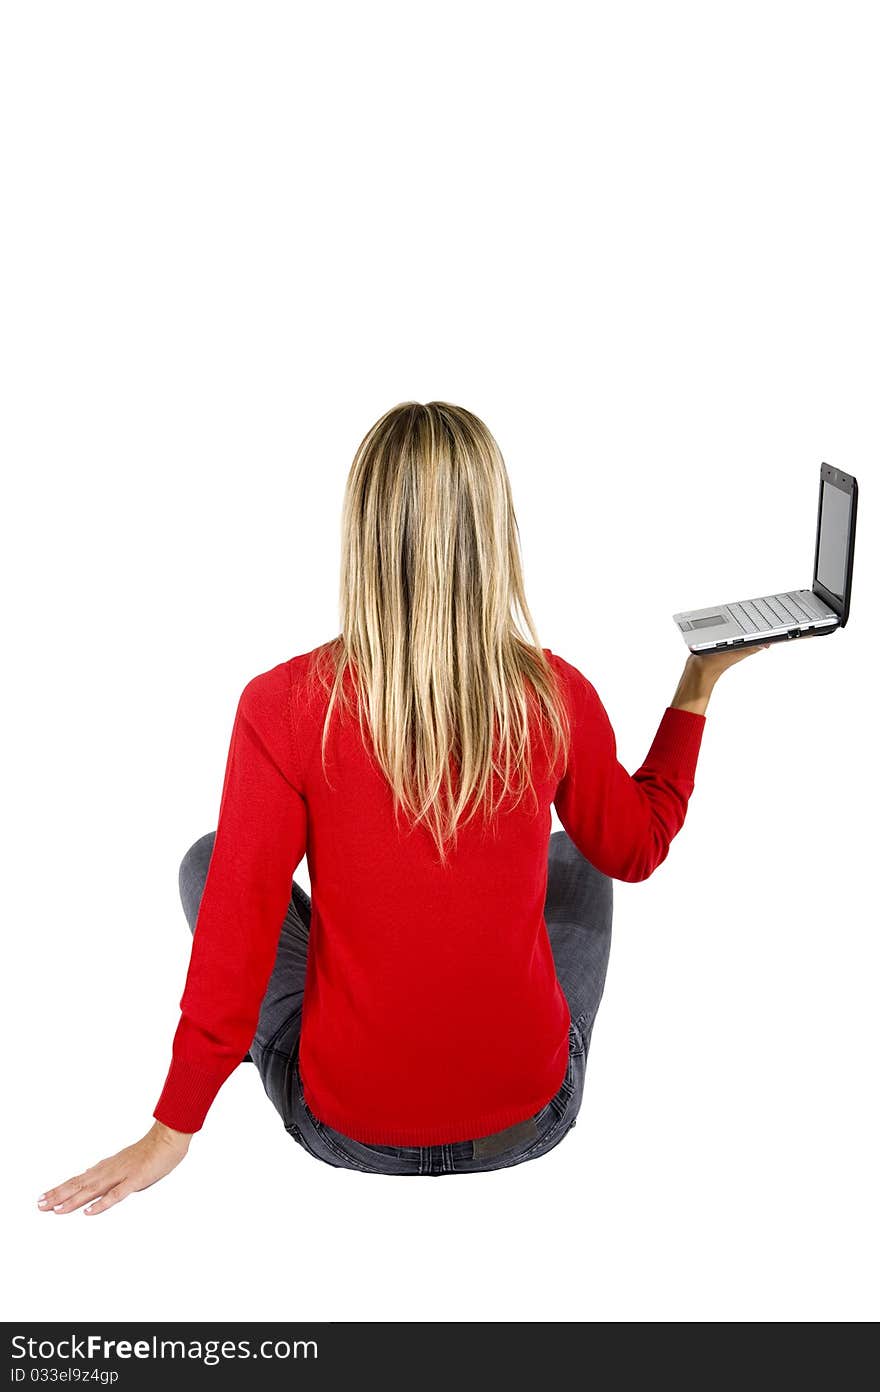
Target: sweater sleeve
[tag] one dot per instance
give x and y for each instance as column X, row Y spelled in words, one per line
column 622, row 823
column 260, row 840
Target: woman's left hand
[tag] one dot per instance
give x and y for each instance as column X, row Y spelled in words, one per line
column 136, row 1167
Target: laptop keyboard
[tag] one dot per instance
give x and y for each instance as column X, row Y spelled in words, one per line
column 771, row 611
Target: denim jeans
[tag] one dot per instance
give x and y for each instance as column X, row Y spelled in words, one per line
column 578, row 913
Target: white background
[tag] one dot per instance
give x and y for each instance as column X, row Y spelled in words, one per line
column 641, row 242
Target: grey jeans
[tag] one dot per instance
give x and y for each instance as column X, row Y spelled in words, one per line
column 578, row 913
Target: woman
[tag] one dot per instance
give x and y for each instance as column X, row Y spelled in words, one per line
column 429, row 1010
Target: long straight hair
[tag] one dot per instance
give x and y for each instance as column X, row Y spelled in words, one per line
column 430, row 582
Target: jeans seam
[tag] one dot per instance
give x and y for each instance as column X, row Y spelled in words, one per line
column 582, row 1038
column 565, row 1093
column 269, row 1046
column 337, row 1150
column 330, row 1143
column 320, row 1129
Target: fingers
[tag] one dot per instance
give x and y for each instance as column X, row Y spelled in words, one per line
column 57, row 1197
column 79, row 1190
column 747, row 650
column 113, row 1196
column 720, row 661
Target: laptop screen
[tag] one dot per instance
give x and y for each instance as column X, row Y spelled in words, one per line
column 832, row 546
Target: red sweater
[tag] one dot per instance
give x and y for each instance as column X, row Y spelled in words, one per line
column 432, row 1011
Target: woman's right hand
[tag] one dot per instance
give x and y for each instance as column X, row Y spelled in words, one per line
column 136, row 1167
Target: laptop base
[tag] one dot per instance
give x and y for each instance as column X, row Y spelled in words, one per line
column 767, row 619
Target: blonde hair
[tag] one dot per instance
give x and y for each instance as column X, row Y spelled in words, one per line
column 430, row 579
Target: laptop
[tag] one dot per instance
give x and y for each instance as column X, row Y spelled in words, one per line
column 778, row 617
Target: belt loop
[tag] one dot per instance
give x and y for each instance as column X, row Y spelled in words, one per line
column 436, row 1159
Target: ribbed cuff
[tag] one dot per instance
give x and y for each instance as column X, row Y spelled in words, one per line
column 188, row 1094
column 676, row 744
